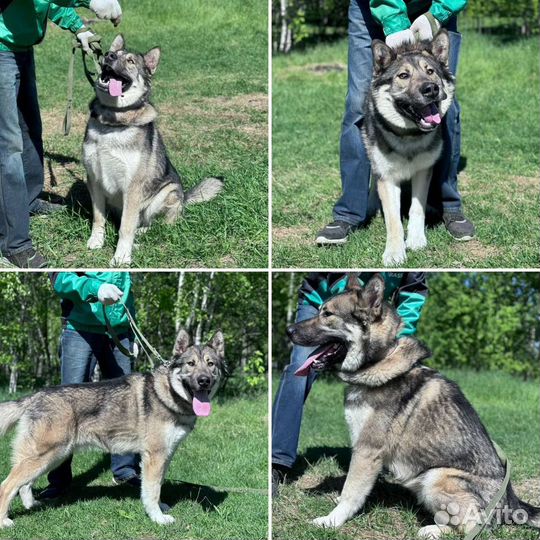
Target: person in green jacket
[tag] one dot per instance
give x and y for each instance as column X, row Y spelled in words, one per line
column 22, row 25
column 85, row 342
column 397, row 22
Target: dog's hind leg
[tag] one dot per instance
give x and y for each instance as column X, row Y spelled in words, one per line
column 27, row 497
column 416, row 234
column 363, row 471
column 154, row 465
column 390, row 194
column 97, row 237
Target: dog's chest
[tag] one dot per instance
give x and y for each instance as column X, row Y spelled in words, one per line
column 112, row 155
column 357, row 414
column 174, row 435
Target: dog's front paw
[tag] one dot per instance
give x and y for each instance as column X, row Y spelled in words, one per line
column 6, row 522
column 416, row 241
column 432, row 532
column 96, row 241
column 394, row 256
column 163, row 519
column 326, row 522
column 121, row 259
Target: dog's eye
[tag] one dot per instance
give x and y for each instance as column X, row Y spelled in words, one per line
column 131, row 60
column 210, row 363
column 191, row 363
column 327, row 313
column 403, row 75
column 430, row 71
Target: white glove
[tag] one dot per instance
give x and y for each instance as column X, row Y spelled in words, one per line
column 83, row 37
column 107, row 9
column 109, row 294
column 397, row 39
column 425, row 27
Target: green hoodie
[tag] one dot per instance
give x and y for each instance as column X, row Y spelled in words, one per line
column 23, row 22
column 396, row 15
column 80, row 307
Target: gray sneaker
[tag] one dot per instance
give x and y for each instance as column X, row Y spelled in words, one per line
column 459, row 227
column 29, row 258
column 43, row 208
column 336, row 232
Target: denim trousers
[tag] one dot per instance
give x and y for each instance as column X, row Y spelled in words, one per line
column 21, row 149
column 289, row 400
column 352, row 206
column 79, row 353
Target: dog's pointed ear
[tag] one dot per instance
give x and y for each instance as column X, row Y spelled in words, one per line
column 117, row 44
column 374, row 293
column 383, row 55
column 440, row 46
column 151, row 59
column 218, row 343
column 182, row 343
column 353, row 282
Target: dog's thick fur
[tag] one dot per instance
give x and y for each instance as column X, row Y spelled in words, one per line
column 147, row 414
column 124, row 155
column 408, row 85
column 403, row 416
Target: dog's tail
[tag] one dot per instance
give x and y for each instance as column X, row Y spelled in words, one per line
column 522, row 512
column 205, row 191
column 10, row 413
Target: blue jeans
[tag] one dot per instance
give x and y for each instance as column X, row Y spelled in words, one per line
column 289, row 401
column 352, row 206
column 21, row 150
column 79, row 352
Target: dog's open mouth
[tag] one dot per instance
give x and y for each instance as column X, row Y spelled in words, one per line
column 323, row 357
column 429, row 116
column 113, row 83
column 200, row 401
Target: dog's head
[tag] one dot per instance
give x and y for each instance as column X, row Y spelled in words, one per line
column 350, row 328
column 196, row 370
column 126, row 76
column 412, row 85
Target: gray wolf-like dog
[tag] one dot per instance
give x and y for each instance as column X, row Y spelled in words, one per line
column 411, row 91
column 126, row 162
column 403, row 417
column 149, row 414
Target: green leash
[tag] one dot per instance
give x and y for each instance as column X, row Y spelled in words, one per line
column 145, row 344
column 97, row 53
column 477, row 530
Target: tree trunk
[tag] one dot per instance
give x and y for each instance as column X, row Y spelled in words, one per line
column 204, row 306
column 181, row 278
column 285, row 39
column 244, row 355
column 191, row 317
column 13, row 376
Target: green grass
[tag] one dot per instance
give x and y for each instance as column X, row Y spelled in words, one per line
column 508, row 407
column 497, row 88
column 210, row 89
column 227, row 451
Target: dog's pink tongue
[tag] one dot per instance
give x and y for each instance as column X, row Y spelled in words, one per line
column 115, row 87
column 431, row 115
column 201, row 404
column 305, row 368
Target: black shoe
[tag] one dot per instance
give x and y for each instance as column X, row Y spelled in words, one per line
column 42, row 208
column 29, row 258
column 133, row 481
column 279, row 475
column 459, row 227
column 336, row 232
column 50, row 493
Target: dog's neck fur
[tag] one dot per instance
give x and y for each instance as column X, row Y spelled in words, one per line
column 397, row 360
column 137, row 115
column 169, row 398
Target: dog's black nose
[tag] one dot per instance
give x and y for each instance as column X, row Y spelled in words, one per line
column 430, row 90
column 291, row 330
column 110, row 55
column 203, row 381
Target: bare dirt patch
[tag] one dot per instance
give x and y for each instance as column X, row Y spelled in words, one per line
column 474, row 250
column 322, row 69
column 291, row 233
column 529, row 490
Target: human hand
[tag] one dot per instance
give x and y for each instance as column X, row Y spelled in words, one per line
column 107, row 9
column 397, row 39
column 109, row 294
column 425, row 27
column 83, row 35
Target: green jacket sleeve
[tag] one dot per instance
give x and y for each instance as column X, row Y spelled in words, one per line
column 71, row 3
column 76, row 288
column 65, row 17
column 443, row 10
column 411, row 297
column 391, row 15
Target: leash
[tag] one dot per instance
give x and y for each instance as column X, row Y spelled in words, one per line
column 477, row 530
column 96, row 54
column 145, row 344
column 221, row 489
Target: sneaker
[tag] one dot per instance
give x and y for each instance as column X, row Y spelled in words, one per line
column 459, row 227
column 29, row 258
column 50, row 493
column 336, row 232
column 42, row 208
column 133, row 481
column 279, row 475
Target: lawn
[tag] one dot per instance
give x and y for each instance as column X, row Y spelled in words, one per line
column 211, row 91
column 498, row 91
column 216, row 485
column 509, row 409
